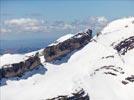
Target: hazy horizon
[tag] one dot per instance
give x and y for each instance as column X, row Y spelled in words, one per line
column 32, row 20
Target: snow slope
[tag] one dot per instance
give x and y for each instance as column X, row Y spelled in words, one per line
column 7, row 59
column 97, row 68
column 61, row 39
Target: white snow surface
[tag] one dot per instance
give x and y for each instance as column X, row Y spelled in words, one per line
column 79, row 71
column 8, row 59
column 61, row 39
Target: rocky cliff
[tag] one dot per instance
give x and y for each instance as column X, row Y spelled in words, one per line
column 50, row 53
column 75, row 42
column 17, row 69
column 103, row 69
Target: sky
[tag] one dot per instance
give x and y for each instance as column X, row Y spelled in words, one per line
column 35, row 19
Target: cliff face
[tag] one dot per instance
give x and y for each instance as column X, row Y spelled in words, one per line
column 103, row 68
column 76, row 42
column 17, row 69
column 50, row 53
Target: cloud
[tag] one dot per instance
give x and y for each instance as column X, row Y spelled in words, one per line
column 3, row 31
column 24, row 25
column 22, row 22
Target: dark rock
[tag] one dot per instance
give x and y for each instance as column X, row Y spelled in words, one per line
column 110, row 56
column 109, row 70
column 133, row 22
column 76, row 42
column 110, row 73
column 124, row 82
column 125, row 45
column 126, row 26
column 50, row 53
column 80, row 95
column 17, row 69
column 130, row 79
column 99, row 33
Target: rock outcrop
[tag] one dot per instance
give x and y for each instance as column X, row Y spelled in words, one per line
column 17, row 69
column 80, row 95
column 50, row 53
column 76, row 42
column 125, row 45
column 128, row 80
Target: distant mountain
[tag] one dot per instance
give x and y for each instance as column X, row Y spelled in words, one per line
column 75, row 67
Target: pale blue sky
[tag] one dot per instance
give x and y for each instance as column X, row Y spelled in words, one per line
column 66, row 9
column 51, row 11
column 33, row 24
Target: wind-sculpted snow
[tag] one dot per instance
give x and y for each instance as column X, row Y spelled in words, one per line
column 98, row 68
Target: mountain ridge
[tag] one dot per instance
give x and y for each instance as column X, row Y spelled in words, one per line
column 99, row 68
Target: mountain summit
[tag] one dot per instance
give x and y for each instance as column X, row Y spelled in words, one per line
column 76, row 67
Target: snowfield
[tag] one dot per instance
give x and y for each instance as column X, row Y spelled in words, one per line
column 97, row 68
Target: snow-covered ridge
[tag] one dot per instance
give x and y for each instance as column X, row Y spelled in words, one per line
column 32, row 60
column 116, row 31
column 15, row 58
column 69, row 36
column 98, row 68
column 61, row 39
column 8, row 58
column 119, row 25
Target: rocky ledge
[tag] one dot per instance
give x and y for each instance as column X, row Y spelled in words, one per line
column 50, row 53
column 17, row 69
column 76, row 42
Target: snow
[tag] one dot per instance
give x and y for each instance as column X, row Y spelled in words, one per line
column 109, row 33
column 78, row 71
column 65, row 37
column 9, row 58
column 61, row 39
